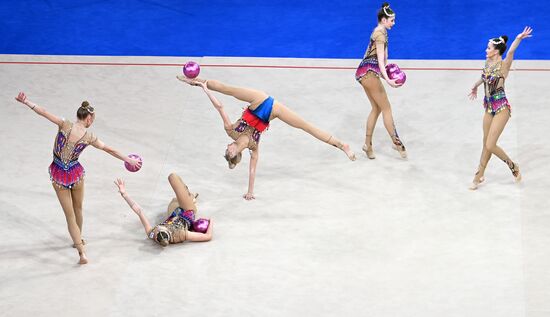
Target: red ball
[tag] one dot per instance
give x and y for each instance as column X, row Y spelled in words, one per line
column 191, row 69
column 130, row 167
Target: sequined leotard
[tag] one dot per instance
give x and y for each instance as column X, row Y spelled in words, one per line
column 252, row 123
column 370, row 60
column 178, row 223
column 493, row 81
column 65, row 170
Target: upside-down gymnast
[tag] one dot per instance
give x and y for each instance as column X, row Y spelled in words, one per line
column 255, row 119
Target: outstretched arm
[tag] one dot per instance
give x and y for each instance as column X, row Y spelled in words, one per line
column 200, row 237
column 22, row 98
column 254, row 155
column 102, row 146
column 510, row 55
column 217, row 104
column 135, row 207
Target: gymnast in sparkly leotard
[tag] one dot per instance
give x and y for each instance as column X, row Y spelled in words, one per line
column 369, row 74
column 496, row 105
column 180, row 224
column 246, row 132
column 66, row 172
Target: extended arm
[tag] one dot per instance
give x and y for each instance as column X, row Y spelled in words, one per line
column 22, row 98
column 102, row 146
column 135, row 207
column 254, row 155
column 217, row 104
column 510, row 55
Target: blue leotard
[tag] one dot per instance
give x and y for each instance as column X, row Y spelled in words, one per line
column 263, row 111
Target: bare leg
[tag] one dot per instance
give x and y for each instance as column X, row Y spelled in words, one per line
column 497, row 126
column 252, row 96
column 485, row 154
column 377, row 92
column 183, row 195
column 77, row 196
column 64, row 196
column 292, row 119
column 371, row 123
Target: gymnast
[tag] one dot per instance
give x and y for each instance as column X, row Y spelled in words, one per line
column 254, row 121
column 371, row 68
column 66, row 173
column 497, row 107
column 180, row 225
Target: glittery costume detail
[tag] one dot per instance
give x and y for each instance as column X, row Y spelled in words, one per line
column 252, row 123
column 65, row 170
column 178, row 223
column 493, row 81
column 370, row 60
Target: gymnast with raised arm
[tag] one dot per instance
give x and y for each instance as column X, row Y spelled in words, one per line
column 246, row 131
column 66, row 173
column 497, row 108
column 180, row 225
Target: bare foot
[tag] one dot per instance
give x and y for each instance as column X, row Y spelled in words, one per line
column 348, row 152
column 368, row 150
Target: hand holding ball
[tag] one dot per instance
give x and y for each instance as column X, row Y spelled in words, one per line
column 134, row 168
column 191, row 69
column 394, row 72
column 201, row 225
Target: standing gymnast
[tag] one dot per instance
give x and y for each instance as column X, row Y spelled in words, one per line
column 497, row 108
column 255, row 119
column 372, row 67
column 66, row 173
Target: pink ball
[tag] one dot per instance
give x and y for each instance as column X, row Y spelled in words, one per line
column 394, row 72
column 130, row 167
column 201, row 225
column 191, row 69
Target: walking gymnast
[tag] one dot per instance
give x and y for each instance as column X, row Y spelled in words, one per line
column 66, row 173
column 497, row 107
column 180, row 224
column 371, row 68
column 255, row 119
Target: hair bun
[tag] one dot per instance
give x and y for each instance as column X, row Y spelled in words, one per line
column 85, row 104
column 385, row 4
column 505, row 38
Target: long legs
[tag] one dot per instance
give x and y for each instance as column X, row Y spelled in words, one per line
column 292, row 119
column 252, row 96
column 380, row 104
column 492, row 129
column 256, row 97
column 65, row 197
